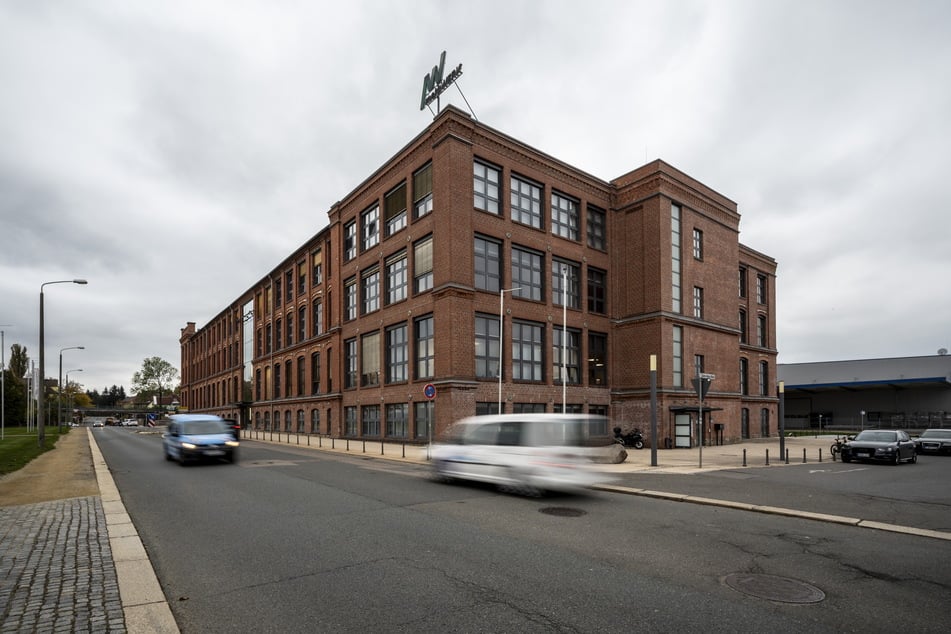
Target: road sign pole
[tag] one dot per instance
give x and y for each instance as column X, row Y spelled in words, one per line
column 429, row 391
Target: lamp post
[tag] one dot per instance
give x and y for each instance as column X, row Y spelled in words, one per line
column 41, row 393
column 782, row 420
column 502, row 293
column 59, row 397
column 69, row 403
column 653, row 367
column 3, row 384
column 564, row 336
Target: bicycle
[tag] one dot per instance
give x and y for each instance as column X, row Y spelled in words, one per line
column 839, row 445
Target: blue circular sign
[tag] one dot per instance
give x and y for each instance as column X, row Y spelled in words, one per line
column 430, row 391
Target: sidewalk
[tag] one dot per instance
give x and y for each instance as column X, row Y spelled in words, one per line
column 695, row 460
column 70, row 557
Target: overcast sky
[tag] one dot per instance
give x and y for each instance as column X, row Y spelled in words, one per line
column 172, row 153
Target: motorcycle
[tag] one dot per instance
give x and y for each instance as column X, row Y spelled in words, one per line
column 633, row 438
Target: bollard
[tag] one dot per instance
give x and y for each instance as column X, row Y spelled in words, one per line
column 787, row 456
column 364, row 446
column 820, row 454
column 744, row 457
column 348, row 444
column 308, row 440
column 382, row 447
column 803, row 455
column 404, row 448
column 767, row 457
column 298, row 439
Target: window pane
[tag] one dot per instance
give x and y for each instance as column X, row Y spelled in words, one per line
column 564, row 216
column 526, row 199
column 485, row 187
column 370, row 359
column 423, row 191
column 487, row 263
column 394, row 209
column 423, row 265
column 596, row 228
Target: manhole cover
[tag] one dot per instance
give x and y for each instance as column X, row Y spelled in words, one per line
column 269, row 463
column 773, row 588
column 562, row 511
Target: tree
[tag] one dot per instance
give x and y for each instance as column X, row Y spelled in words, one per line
column 19, row 361
column 14, row 399
column 76, row 396
column 15, row 386
column 155, row 376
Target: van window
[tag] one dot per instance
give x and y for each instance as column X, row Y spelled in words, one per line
column 510, row 434
column 486, row 434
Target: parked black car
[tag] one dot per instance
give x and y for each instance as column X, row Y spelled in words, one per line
column 934, row 441
column 891, row 445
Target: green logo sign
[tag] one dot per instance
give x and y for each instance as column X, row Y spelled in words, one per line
column 434, row 84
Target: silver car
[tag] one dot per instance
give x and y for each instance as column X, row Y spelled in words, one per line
column 526, row 453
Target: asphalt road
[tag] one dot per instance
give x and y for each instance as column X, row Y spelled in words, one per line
column 296, row 540
column 915, row 495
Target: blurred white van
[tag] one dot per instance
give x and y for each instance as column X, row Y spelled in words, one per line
column 528, row 453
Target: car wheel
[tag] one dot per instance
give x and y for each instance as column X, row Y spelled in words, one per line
column 439, row 473
column 914, row 458
column 519, row 484
column 168, row 456
column 897, row 458
column 846, row 457
column 233, row 457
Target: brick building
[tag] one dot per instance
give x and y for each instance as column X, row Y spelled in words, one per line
column 405, row 286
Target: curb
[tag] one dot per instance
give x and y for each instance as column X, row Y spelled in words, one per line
column 777, row 510
column 143, row 602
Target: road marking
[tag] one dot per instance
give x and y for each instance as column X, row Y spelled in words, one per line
column 811, row 471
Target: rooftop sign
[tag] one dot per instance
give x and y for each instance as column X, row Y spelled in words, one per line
column 434, row 84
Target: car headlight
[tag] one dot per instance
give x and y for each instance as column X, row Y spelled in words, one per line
column 188, row 445
column 232, row 443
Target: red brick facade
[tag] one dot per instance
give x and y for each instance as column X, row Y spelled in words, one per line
column 228, row 368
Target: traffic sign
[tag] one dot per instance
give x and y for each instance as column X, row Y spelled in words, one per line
column 430, row 391
column 702, row 385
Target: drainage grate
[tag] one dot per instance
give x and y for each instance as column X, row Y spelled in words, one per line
column 773, row 588
column 562, row 511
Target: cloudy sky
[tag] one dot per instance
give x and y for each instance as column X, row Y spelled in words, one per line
column 172, row 152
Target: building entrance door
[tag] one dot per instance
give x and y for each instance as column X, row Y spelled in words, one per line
column 682, row 431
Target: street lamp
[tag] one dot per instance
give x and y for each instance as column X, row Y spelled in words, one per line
column 69, row 402
column 502, row 293
column 3, row 384
column 564, row 337
column 41, row 394
column 59, row 397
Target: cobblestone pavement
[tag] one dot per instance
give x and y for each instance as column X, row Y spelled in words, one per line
column 56, row 569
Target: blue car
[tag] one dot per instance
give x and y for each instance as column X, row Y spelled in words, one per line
column 195, row 437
